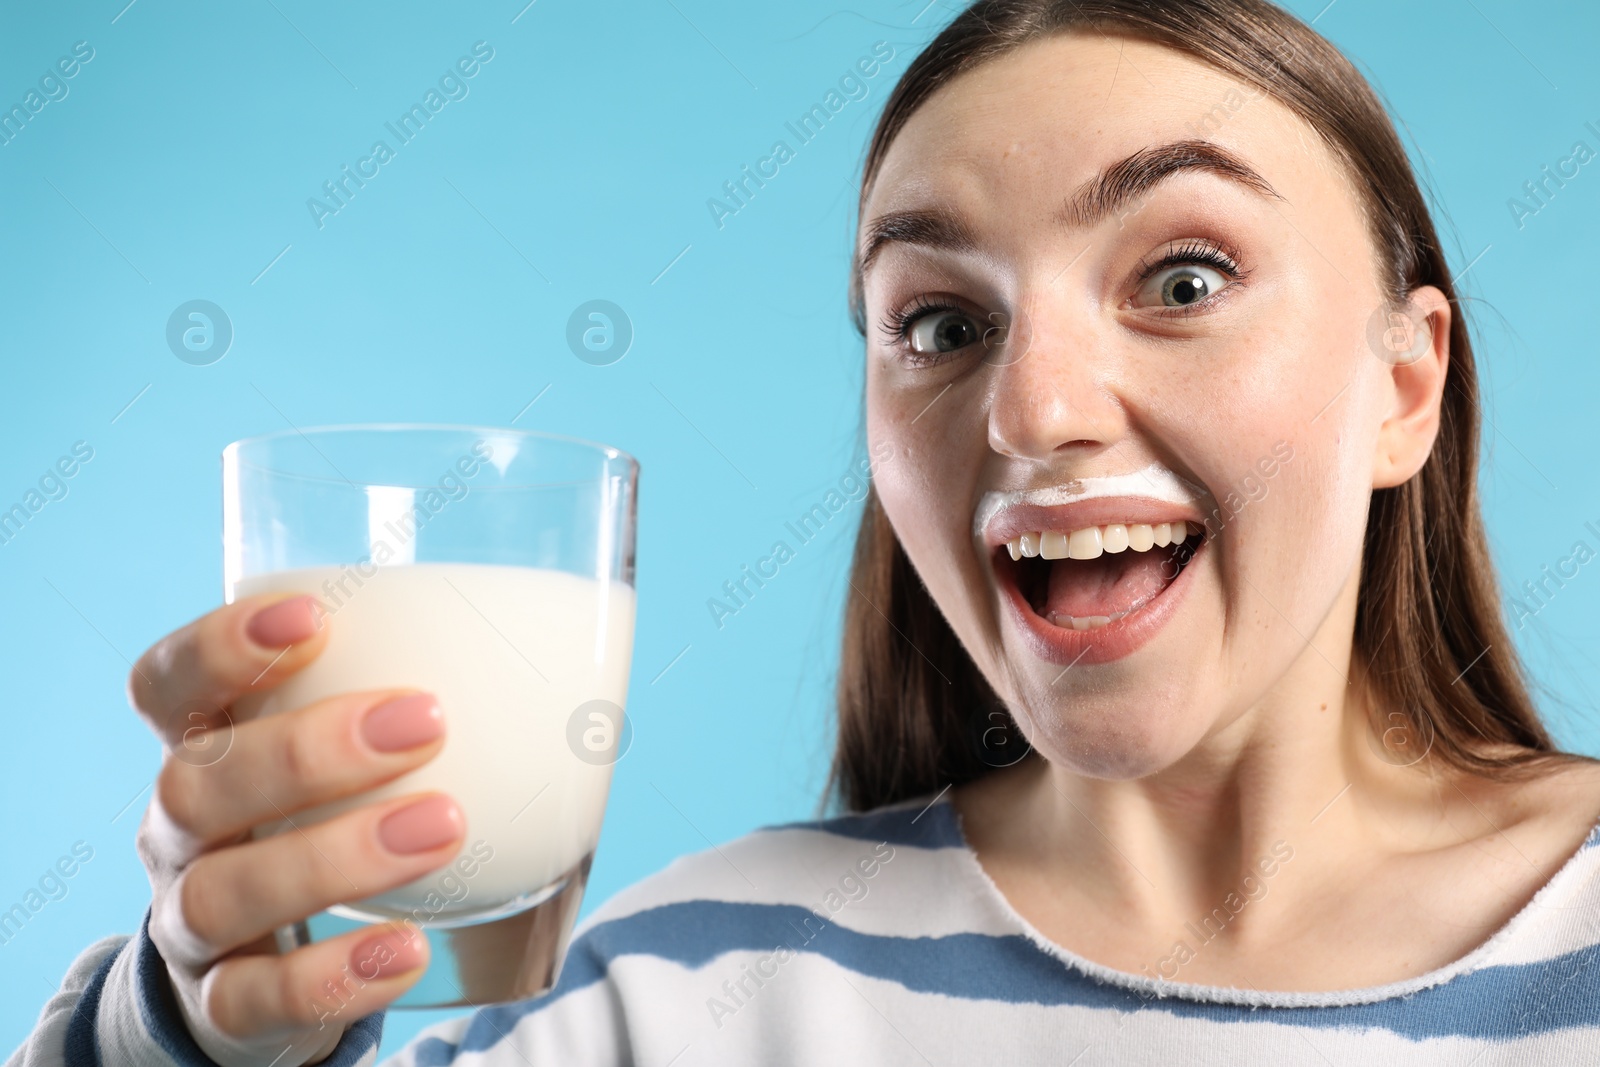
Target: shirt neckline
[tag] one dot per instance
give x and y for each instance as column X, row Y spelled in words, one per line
column 1148, row 987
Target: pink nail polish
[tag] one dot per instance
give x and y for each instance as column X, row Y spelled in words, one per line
column 283, row 624
column 427, row 824
column 387, row 954
column 403, row 722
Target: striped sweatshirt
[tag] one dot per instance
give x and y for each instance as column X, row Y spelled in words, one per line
column 878, row 939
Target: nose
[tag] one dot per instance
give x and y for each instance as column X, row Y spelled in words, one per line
column 1054, row 387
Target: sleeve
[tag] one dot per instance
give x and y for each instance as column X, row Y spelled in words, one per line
column 116, row 1008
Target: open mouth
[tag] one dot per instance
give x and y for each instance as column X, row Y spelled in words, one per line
column 1095, row 576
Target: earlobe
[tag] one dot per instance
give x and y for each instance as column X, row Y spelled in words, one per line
column 1418, row 351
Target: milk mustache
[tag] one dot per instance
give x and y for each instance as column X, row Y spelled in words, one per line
column 511, row 653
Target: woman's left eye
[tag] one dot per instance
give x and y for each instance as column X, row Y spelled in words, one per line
column 1181, row 286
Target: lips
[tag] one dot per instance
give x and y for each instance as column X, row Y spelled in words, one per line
column 1093, row 581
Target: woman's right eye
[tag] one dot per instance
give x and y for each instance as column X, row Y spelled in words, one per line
column 936, row 332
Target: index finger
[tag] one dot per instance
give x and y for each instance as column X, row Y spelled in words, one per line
column 199, row 669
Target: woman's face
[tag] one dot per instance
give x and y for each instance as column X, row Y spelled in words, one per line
column 1114, row 290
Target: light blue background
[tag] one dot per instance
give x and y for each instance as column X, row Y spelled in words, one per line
column 179, row 165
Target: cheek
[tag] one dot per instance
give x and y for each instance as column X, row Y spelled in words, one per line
column 922, row 444
column 912, row 492
column 912, row 504
column 929, row 485
column 1291, row 383
column 1288, row 394
column 935, row 428
column 901, row 407
column 898, row 483
column 1298, row 403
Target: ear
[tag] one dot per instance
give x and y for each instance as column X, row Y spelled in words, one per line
column 1415, row 387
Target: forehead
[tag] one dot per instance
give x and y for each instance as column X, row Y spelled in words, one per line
column 1052, row 113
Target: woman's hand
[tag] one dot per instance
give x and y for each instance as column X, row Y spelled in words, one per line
column 218, row 894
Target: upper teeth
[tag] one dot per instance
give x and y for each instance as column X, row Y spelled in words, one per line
column 1090, row 541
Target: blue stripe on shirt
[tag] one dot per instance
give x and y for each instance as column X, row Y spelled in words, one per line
column 1499, row 1003
column 81, row 1047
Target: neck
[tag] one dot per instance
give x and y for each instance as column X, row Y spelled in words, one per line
column 1301, row 772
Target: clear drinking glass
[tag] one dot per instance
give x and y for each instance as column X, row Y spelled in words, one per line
column 494, row 569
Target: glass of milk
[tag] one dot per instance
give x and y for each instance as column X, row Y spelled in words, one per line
column 492, row 568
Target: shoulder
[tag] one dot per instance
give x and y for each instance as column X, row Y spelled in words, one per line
column 1550, row 814
column 1536, row 849
column 803, row 864
column 1559, row 813
column 1534, row 815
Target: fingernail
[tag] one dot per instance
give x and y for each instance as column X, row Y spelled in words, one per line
column 387, row 954
column 285, row 623
column 403, row 722
column 419, row 827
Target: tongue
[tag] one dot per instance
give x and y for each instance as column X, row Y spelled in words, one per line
column 1105, row 585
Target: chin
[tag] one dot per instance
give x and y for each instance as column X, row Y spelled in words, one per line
column 1103, row 736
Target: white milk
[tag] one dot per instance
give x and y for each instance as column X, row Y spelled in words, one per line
column 510, row 652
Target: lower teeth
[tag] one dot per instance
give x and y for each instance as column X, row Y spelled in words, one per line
column 1094, row 622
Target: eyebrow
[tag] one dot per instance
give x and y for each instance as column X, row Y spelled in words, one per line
column 1098, row 198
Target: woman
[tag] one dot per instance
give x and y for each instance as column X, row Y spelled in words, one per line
column 1176, row 714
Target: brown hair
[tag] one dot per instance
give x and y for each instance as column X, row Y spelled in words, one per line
column 914, row 712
